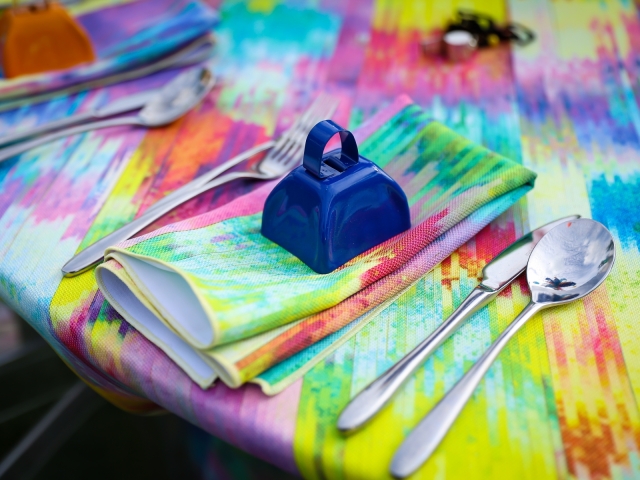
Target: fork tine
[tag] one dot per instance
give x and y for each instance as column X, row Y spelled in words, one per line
column 300, row 125
column 309, row 115
column 289, row 149
column 300, row 120
column 294, row 154
column 298, row 137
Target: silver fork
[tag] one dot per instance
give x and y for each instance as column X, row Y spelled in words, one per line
column 291, row 137
column 286, row 154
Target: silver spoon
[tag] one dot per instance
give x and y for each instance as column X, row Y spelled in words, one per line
column 497, row 275
column 172, row 101
column 568, row 263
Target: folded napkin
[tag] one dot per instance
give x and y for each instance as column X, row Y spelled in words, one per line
column 223, row 301
column 124, row 37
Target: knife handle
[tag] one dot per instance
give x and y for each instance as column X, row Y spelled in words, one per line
column 371, row 400
column 47, row 127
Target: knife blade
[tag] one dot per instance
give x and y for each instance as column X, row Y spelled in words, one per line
column 496, row 276
column 115, row 107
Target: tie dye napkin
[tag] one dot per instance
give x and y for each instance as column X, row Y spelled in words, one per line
column 224, row 302
column 154, row 29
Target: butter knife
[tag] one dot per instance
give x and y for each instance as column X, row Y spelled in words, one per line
column 496, row 276
column 116, row 107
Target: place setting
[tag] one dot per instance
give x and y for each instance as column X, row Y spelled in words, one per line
column 278, row 272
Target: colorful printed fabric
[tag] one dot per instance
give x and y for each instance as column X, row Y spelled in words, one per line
column 561, row 400
column 153, row 29
column 214, row 280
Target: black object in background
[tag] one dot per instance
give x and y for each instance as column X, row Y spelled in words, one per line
column 487, row 33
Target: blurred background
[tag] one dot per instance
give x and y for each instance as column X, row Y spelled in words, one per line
column 54, row 427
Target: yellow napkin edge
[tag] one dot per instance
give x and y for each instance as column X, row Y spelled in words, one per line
column 124, row 277
column 121, row 255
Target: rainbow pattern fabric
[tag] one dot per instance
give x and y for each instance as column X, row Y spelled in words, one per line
column 248, row 303
column 153, row 30
column 560, row 402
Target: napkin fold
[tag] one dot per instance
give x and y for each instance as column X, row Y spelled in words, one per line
column 223, row 301
column 124, row 37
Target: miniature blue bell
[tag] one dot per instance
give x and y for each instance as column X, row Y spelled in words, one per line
column 335, row 205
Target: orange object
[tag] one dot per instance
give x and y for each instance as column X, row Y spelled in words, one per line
column 41, row 38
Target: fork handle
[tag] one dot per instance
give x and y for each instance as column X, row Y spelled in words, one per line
column 210, row 175
column 14, row 150
column 94, row 253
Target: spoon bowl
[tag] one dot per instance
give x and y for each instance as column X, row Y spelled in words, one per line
column 173, row 101
column 177, row 97
column 568, row 263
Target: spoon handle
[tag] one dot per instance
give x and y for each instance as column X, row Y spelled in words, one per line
column 426, row 437
column 47, row 127
column 371, row 400
column 14, row 150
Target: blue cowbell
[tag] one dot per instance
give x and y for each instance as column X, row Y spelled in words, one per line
column 335, row 205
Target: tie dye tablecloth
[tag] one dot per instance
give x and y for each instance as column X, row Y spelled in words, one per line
column 154, row 30
column 561, row 400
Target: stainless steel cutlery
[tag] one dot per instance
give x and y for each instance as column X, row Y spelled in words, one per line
column 568, row 263
column 285, row 153
column 496, row 276
column 565, row 260
column 167, row 105
column 116, row 107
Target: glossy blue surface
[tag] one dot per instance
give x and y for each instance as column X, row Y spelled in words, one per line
column 335, row 205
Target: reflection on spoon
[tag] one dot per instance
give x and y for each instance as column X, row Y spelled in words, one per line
column 568, row 263
column 174, row 100
column 558, row 283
